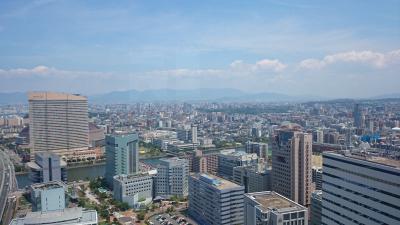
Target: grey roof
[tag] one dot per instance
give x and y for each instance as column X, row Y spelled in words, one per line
column 68, row 216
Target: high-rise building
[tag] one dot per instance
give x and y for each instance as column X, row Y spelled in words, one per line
column 316, row 204
column 215, row 201
column 252, row 178
column 318, row 136
column 134, row 189
column 58, row 123
column 317, row 177
column 48, row 196
column 122, row 155
column 291, row 164
column 47, row 167
column 360, row 188
column 171, row 178
column 271, row 208
column 230, row 160
column 194, row 134
column 358, row 115
column 261, row 149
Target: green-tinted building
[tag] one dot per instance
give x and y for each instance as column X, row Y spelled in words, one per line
column 122, row 152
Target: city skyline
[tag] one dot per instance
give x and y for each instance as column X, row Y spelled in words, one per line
column 335, row 50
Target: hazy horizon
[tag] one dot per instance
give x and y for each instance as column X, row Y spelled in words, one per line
column 335, row 49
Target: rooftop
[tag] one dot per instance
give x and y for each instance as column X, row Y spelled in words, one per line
column 371, row 157
column 48, row 185
column 54, row 96
column 215, row 181
column 269, row 200
column 68, row 216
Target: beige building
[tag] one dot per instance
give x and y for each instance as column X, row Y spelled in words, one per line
column 291, row 163
column 58, row 123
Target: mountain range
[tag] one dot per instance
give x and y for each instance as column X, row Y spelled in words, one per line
column 168, row 95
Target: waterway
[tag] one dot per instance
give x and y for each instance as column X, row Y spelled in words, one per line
column 75, row 174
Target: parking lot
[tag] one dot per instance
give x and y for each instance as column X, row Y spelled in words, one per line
column 171, row 219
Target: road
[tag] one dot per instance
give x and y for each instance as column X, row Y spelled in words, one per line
column 8, row 186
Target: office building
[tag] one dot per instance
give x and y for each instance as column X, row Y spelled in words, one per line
column 68, row 216
column 194, row 134
column 122, row 155
column 47, row 167
column 316, row 204
column 291, row 163
column 134, row 189
column 253, row 178
column 360, row 188
column 230, row 160
column 58, row 123
column 261, row 149
column 271, row 208
column 358, row 115
column 215, row 201
column 318, row 136
column 48, row 196
column 317, row 177
column 171, row 178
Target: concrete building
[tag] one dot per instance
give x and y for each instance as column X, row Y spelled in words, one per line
column 215, row 201
column 360, row 188
column 271, row 208
column 228, row 161
column 316, row 204
column 261, row 149
column 58, row 123
column 134, row 189
column 68, row 216
column 47, row 167
column 291, row 163
column 96, row 136
column 48, row 196
column 317, row 177
column 253, row 178
column 194, row 134
column 172, row 177
column 359, row 117
column 122, row 155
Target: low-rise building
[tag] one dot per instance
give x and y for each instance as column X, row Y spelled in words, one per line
column 48, row 196
column 134, row 189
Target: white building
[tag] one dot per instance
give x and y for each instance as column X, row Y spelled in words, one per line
column 360, row 189
column 172, row 177
column 271, row 208
column 135, row 189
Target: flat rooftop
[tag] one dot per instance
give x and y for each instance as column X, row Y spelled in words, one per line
column 67, row 216
column 269, row 200
column 49, row 185
column 215, row 181
column 371, row 157
column 54, row 96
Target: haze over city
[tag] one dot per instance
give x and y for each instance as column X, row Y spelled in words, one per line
column 335, row 49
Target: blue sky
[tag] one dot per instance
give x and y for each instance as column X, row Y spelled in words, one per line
column 326, row 48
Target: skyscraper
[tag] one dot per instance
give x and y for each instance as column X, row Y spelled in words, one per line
column 194, row 134
column 359, row 119
column 291, row 163
column 215, row 201
column 358, row 188
column 122, row 152
column 58, row 122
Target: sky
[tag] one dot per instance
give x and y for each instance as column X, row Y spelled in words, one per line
column 322, row 48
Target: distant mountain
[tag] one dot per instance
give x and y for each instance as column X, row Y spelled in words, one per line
column 13, row 98
column 165, row 95
column 222, row 95
column 393, row 95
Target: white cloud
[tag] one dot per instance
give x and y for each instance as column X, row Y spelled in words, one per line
column 44, row 71
column 374, row 59
column 262, row 65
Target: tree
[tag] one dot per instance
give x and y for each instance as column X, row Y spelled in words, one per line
column 141, row 215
